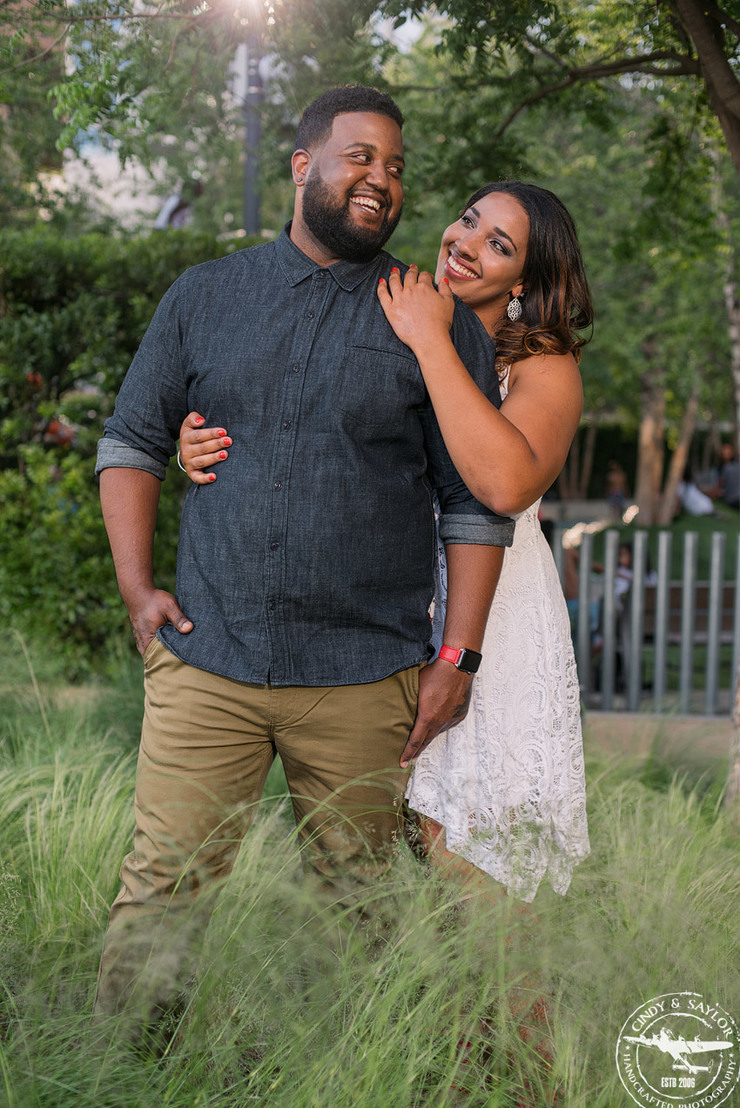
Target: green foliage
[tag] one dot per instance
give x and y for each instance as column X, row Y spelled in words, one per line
column 73, row 313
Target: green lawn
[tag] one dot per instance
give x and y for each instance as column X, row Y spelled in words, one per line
column 298, row 1006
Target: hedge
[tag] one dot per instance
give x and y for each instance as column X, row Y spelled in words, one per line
column 72, row 313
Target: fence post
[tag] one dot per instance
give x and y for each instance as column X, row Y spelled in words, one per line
column 637, row 608
column 688, row 596
column 584, row 612
column 609, row 621
column 714, row 623
column 662, row 597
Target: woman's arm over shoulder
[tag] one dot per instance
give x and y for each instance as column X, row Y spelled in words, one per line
column 544, row 404
column 510, row 457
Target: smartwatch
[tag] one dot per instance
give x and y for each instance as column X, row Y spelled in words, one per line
column 466, row 660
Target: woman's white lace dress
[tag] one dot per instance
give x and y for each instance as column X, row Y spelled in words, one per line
column 508, row 783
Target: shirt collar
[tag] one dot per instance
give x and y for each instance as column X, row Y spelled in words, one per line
column 296, row 265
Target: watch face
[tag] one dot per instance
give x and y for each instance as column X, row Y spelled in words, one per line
column 470, row 661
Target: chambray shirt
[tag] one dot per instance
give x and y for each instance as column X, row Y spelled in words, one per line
column 310, row 560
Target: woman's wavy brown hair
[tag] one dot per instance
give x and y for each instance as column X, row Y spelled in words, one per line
column 557, row 315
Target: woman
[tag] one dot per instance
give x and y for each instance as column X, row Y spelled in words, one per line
column 504, row 789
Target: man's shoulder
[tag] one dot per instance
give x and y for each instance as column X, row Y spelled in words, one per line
column 226, row 268
column 468, row 323
column 388, row 261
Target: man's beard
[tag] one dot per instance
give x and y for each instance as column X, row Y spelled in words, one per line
column 329, row 220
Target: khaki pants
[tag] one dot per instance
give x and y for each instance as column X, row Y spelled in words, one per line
column 207, row 744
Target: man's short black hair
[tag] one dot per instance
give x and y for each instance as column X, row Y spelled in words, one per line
column 317, row 119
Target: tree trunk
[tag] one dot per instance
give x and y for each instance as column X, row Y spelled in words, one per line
column 729, row 289
column 574, row 464
column 562, row 484
column 710, row 449
column 651, row 440
column 587, row 463
column 678, row 460
column 732, row 303
column 720, row 81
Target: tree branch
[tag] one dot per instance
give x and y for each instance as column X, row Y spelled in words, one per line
column 644, row 63
column 723, row 19
column 716, row 70
column 37, row 57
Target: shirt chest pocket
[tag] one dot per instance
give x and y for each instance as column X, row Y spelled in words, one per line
column 376, row 388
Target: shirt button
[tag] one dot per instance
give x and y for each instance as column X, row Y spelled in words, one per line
column 277, row 484
column 274, row 546
column 287, row 424
column 271, row 605
column 296, row 369
column 309, row 315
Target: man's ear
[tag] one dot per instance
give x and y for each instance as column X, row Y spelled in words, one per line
column 300, row 163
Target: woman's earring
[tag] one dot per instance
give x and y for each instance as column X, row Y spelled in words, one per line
column 514, row 309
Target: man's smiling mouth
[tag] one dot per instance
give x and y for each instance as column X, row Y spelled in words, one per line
column 367, row 204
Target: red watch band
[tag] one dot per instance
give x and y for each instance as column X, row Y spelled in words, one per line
column 450, row 654
column 467, row 661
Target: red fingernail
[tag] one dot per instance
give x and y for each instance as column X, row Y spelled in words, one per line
column 220, row 432
column 381, row 281
column 413, row 266
column 222, row 454
column 446, row 280
column 211, row 476
column 395, row 269
column 228, row 441
column 199, row 420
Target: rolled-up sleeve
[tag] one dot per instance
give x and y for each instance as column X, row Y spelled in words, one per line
column 463, row 519
column 483, row 530
column 112, row 453
column 142, row 432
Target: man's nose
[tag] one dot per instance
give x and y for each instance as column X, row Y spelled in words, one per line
column 378, row 175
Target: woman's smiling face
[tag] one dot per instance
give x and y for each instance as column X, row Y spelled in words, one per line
column 483, row 253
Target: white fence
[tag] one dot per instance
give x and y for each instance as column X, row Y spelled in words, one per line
column 663, row 645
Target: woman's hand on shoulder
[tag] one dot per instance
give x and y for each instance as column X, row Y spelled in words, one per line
column 418, row 313
column 201, row 447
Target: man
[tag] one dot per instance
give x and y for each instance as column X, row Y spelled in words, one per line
column 305, row 572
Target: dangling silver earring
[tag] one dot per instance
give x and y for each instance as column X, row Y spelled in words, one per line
column 514, row 309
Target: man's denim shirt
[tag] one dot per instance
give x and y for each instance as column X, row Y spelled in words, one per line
column 310, row 560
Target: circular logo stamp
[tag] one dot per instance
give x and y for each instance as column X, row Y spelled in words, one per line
column 679, row 1051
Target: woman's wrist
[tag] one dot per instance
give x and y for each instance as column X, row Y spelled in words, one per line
column 432, row 345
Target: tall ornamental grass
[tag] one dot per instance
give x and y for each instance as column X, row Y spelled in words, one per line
column 304, row 1004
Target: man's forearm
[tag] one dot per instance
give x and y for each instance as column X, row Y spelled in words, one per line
column 444, row 691
column 129, row 499
column 472, row 576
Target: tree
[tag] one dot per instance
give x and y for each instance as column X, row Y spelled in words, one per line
column 30, row 66
column 548, row 48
